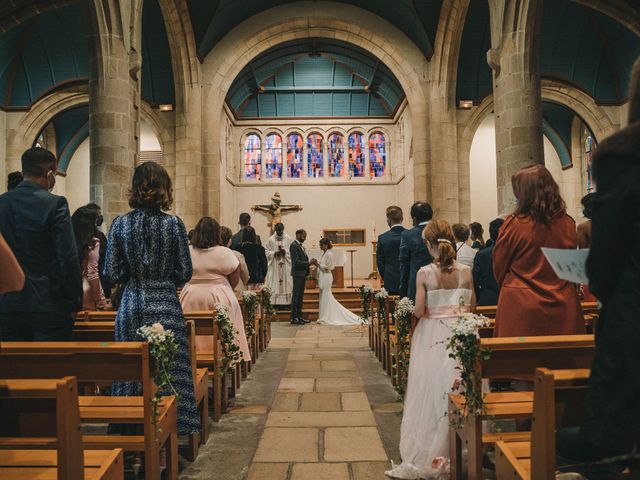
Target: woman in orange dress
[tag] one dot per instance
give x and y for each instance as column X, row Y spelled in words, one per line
column 533, row 300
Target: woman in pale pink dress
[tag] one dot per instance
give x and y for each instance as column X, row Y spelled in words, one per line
column 88, row 246
column 216, row 272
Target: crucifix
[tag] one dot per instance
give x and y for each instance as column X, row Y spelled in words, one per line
column 275, row 210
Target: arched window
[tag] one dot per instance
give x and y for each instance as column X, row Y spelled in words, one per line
column 336, row 155
column 377, row 155
column 589, row 147
column 252, row 156
column 356, row 154
column 295, row 165
column 315, row 158
column 273, row 161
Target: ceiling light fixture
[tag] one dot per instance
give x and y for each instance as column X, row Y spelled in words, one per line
column 465, row 104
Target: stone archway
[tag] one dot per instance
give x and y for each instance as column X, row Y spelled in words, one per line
column 308, row 20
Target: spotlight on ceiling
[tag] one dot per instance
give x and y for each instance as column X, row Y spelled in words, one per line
column 166, row 107
column 465, row 104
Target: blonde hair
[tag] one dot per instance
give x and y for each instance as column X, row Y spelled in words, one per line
column 439, row 234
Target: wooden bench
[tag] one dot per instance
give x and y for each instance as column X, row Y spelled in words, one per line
column 45, row 414
column 516, row 357
column 104, row 362
column 558, row 401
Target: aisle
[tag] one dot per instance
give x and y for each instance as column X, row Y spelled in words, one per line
column 317, row 405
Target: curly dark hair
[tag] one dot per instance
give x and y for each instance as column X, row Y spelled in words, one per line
column 206, row 234
column 151, row 187
column 327, row 242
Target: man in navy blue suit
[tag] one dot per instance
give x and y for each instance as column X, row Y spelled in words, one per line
column 413, row 252
column 487, row 289
column 388, row 251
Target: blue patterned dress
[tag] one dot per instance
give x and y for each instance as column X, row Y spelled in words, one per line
column 148, row 250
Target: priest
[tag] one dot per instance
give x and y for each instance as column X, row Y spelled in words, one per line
column 279, row 266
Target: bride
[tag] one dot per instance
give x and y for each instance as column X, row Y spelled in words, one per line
column 331, row 312
column 424, row 434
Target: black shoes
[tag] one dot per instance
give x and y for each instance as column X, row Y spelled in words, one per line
column 299, row 321
column 303, row 320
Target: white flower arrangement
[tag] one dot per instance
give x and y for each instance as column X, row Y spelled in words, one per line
column 366, row 289
column 248, row 296
column 155, row 334
column 382, row 294
column 469, row 324
column 404, row 308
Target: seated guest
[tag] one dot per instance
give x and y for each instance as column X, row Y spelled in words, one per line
column 216, row 272
column 256, row 258
column 244, row 221
column 12, row 278
column 533, row 300
column 225, row 237
column 13, row 180
column 413, row 252
column 88, row 246
column 465, row 254
column 148, row 251
column 37, row 227
column 388, row 251
column 487, row 289
column 477, row 233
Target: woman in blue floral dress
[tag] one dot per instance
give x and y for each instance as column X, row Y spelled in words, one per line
column 148, row 251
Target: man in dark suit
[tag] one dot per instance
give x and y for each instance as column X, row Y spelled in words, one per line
column 299, row 267
column 37, row 226
column 487, row 289
column 413, row 252
column 236, row 240
column 388, row 251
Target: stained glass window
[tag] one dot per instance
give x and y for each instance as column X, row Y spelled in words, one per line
column 356, row 154
column 377, row 155
column 336, row 155
column 273, row 160
column 295, row 165
column 315, row 156
column 588, row 150
column 252, row 157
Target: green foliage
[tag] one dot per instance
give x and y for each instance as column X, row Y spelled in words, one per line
column 231, row 353
column 366, row 297
column 403, row 316
column 250, row 300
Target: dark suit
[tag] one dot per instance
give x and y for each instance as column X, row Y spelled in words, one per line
column 413, row 256
column 487, row 289
column 236, row 240
column 299, row 269
column 388, row 258
column 37, row 227
column 256, row 260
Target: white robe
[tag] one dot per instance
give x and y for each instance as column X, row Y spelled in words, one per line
column 279, row 278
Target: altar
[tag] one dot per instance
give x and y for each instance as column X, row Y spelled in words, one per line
column 340, row 259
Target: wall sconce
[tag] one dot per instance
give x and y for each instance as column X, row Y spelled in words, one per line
column 166, row 107
column 465, row 104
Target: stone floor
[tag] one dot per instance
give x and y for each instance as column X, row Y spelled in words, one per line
column 316, row 406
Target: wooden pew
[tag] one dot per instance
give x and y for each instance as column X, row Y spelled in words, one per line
column 558, row 401
column 45, row 413
column 103, row 362
column 516, row 357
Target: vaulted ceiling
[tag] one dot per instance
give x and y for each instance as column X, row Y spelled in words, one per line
column 315, row 78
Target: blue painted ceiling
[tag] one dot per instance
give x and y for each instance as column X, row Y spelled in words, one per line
column 71, row 129
column 578, row 45
column 315, row 78
column 556, row 124
column 213, row 19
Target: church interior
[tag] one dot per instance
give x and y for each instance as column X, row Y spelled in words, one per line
column 331, row 111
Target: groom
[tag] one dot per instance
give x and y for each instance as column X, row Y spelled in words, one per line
column 299, row 268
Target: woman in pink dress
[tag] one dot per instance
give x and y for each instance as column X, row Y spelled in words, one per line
column 88, row 245
column 216, row 272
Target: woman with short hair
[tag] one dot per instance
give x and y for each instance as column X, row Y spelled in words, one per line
column 148, row 251
column 533, row 300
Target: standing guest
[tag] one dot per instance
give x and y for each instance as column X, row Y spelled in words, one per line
column 584, row 229
column 244, row 221
column 611, row 425
column 216, row 272
column 299, row 267
column 465, row 253
column 106, row 286
column 255, row 256
column 37, row 227
column 12, row 278
column 533, row 300
column 225, row 238
column 413, row 253
column 388, row 251
column 148, row 251
column 279, row 267
column 88, row 245
column 13, row 180
column 477, row 236
column 487, row 289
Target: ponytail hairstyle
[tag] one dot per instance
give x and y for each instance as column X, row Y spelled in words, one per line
column 439, row 235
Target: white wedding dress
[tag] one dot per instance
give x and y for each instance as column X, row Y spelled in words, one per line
column 424, row 435
column 331, row 312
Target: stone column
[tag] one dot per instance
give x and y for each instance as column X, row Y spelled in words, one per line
column 114, row 98
column 516, row 90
